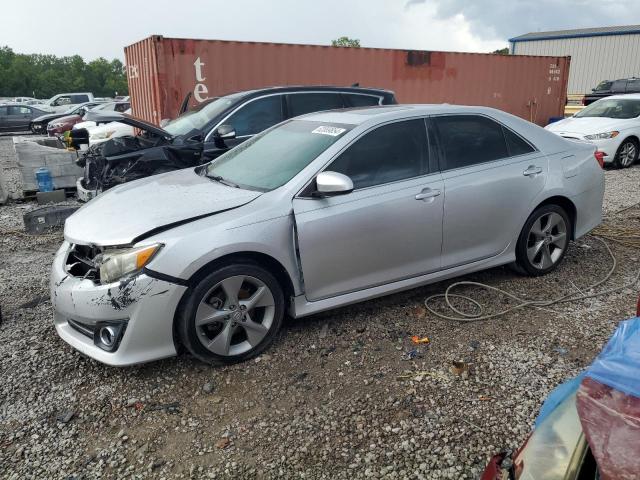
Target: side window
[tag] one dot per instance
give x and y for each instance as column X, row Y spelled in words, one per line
column 79, row 98
column 619, row 86
column 466, row 140
column 257, row 116
column 355, row 100
column 121, row 107
column 516, row 144
column 633, row 86
column 389, row 153
column 16, row 110
column 62, row 101
column 301, row 103
column 3, row 110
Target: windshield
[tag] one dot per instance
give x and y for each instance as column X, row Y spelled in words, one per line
column 612, row 108
column 200, row 116
column 272, row 158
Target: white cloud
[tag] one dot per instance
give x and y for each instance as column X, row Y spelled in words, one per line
column 106, row 30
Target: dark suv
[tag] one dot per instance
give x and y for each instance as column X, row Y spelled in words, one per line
column 607, row 88
column 207, row 131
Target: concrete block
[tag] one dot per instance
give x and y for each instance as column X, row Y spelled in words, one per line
column 56, row 196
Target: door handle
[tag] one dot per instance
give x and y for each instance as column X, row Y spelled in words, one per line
column 427, row 193
column 532, row 171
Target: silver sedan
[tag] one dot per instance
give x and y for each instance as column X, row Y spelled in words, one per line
column 318, row 212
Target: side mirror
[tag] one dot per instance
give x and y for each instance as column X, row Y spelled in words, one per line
column 332, row 183
column 226, row 132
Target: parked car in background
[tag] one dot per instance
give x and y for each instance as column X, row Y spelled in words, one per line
column 213, row 256
column 612, row 124
column 39, row 124
column 205, row 132
column 62, row 101
column 17, row 117
column 66, row 123
column 607, row 88
column 118, row 106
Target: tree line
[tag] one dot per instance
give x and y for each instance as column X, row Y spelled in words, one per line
column 43, row 76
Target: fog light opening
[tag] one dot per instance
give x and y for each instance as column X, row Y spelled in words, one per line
column 108, row 336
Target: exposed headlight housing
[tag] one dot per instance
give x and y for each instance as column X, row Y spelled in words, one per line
column 602, row 136
column 117, row 263
column 55, row 125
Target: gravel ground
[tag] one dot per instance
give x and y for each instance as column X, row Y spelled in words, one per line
column 337, row 396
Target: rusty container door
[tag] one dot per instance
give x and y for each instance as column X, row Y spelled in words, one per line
column 162, row 71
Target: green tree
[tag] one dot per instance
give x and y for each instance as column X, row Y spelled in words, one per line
column 345, row 42
column 47, row 75
column 502, row 51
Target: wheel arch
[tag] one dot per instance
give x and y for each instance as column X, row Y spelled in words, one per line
column 257, row 258
column 568, row 207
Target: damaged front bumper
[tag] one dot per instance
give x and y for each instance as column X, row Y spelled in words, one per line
column 141, row 310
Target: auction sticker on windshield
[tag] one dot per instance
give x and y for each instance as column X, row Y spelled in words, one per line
column 326, row 130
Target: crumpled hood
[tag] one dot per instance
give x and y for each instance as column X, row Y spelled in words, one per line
column 587, row 125
column 124, row 213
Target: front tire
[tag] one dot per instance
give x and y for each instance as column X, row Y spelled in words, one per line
column 232, row 314
column 544, row 239
column 627, row 154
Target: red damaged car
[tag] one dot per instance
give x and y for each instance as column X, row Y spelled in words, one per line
column 589, row 427
column 64, row 124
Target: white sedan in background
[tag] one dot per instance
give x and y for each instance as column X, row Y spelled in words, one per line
column 102, row 133
column 612, row 124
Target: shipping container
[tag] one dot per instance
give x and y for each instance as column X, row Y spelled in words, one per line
column 161, row 71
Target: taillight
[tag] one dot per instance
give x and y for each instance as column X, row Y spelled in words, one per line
column 638, row 307
column 584, row 101
column 599, row 157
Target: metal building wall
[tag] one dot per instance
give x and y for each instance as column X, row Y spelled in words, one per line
column 161, row 71
column 593, row 59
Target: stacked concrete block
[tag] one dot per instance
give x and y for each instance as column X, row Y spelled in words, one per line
column 61, row 163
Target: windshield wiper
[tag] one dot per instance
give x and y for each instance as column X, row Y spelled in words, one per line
column 222, row 180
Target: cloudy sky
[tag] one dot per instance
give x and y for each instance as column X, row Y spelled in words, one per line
column 92, row 29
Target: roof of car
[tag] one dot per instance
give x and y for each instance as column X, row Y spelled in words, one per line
column 311, row 88
column 630, row 96
column 356, row 116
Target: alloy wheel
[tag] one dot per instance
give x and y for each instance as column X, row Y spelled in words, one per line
column 627, row 154
column 547, row 240
column 235, row 315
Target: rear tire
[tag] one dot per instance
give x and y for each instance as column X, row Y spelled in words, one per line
column 543, row 241
column 627, row 153
column 232, row 314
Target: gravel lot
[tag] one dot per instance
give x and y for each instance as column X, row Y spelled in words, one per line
column 337, row 395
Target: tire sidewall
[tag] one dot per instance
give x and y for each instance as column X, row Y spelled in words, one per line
column 186, row 317
column 617, row 157
column 522, row 259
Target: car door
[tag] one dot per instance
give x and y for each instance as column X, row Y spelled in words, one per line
column 491, row 177
column 387, row 229
column 301, row 103
column 4, row 118
column 247, row 120
column 19, row 117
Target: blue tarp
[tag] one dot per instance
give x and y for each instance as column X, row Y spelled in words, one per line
column 618, row 365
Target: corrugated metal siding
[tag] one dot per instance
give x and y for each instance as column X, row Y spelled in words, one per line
column 593, row 59
column 166, row 70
